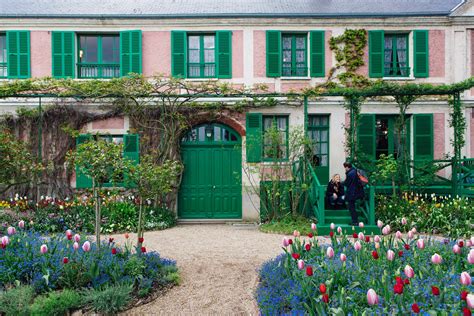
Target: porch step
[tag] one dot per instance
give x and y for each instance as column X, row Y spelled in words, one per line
column 323, row 230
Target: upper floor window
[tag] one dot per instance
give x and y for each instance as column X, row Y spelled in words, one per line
column 3, row 55
column 396, row 55
column 202, row 56
column 294, row 51
column 99, row 56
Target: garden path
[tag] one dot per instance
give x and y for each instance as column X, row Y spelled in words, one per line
column 218, row 267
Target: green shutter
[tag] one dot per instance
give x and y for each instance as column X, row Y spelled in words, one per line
column 317, row 46
column 18, row 51
column 178, row 53
column 273, row 53
column 376, row 54
column 423, row 137
column 224, row 54
column 63, row 54
column 254, row 137
column 131, row 151
column 421, row 53
column 130, row 52
column 366, row 135
column 82, row 181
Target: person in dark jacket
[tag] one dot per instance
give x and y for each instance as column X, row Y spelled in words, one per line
column 354, row 190
column 335, row 192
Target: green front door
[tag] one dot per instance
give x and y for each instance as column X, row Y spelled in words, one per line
column 318, row 133
column 211, row 187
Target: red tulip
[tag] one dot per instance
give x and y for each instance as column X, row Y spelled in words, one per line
column 290, row 241
column 435, row 290
column 463, row 295
column 309, row 270
column 461, row 243
column 355, row 235
column 141, row 240
column 400, row 253
column 398, row 288
column 143, row 249
column 310, row 235
column 406, row 281
column 466, row 311
column 367, row 238
column 295, row 255
column 415, row 308
column 398, row 280
column 111, row 240
column 325, row 298
column 69, row 237
column 65, row 260
column 331, row 234
column 307, row 247
column 114, row 251
column 322, row 288
column 407, row 246
column 375, row 254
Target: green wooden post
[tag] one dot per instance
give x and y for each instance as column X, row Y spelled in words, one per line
column 305, row 104
column 352, row 130
column 40, row 145
column 457, row 147
column 321, row 195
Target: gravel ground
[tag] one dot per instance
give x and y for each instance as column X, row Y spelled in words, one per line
column 218, row 267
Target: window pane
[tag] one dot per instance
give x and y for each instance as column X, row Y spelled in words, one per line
column 202, row 133
column 281, row 123
column 193, row 42
column 210, row 70
column 287, row 56
column 194, row 56
column 324, row 136
column 287, row 43
column 110, row 52
column 209, row 41
column 300, row 56
column 300, row 43
column 3, row 49
column 209, row 56
column 90, row 49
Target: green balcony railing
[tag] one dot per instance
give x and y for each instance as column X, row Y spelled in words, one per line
column 397, row 72
column 98, row 71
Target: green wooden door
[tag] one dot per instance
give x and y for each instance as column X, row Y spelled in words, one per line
column 211, row 187
column 318, row 133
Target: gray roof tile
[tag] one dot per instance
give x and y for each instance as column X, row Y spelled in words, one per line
column 223, row 8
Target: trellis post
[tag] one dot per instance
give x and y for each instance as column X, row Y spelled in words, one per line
column 352, row 129
column 457, row 144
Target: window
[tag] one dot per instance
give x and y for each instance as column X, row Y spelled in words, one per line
column 294, row 61
column 210, row 133
column 3, row 55
column 201, row 56
column 99, row 56
column 318, row 132
column 396, row 55
column 275, row 137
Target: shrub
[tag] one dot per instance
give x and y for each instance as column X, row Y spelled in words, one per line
column 56, row 303
column 109, row 300
column 17, row 300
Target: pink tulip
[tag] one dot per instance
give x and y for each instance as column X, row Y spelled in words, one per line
column 470, row 256
column 456, row 249
column 77, row 238
column 296, row 233
column 404, row 221
column 386, row 230
column 357, row 246
column 436, row 259
column 21, row 224
column 68, row 232
column 377, row 238
column 413, row 230
column 332, row 226
column 75, row 246
column 330, row 252
column 468, row 243
column 5, row 240
column 361, row 225
column 410, row 235
column 300, row 264
column 390, row 255
column 86, row 246
column 465, row 278
column 372, row 297
column 409, row 271
column 286, row 243
column 313, row 226
column 44, row 249
column 361, row 236
column 11, row 230
column 398, row 234
column 379, row 224
column 339, row 230
column 470, row 301
column 472, row 240
column 343, row 257
column 420, row 243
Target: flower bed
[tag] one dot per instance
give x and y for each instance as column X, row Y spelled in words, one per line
column 430, row 213
column 51, row 215
column 58, row 273
column 386, row 275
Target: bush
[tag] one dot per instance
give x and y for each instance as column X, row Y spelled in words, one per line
column 287, row 224
column 109, row 300
column 17, row 300
column 56, row 303
column 430, row 214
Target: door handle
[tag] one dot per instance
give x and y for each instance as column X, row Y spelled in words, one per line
column 213, row 186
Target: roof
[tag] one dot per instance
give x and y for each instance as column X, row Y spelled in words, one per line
column 222, row 8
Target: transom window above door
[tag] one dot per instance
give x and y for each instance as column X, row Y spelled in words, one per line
column 99, row 56
column 396, row 55
column 201, row 55
column 294, row 55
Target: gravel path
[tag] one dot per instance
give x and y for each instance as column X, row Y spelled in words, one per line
column 218, row 266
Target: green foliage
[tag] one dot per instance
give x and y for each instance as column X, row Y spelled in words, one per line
column 56, row 303
column 16, row 301
column 287, row 225
column 109, row 300
column 387, row 170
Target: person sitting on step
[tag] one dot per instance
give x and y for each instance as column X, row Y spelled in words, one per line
column 335, row 192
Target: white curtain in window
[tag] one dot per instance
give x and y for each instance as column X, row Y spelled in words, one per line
column 388, row 54
column 402, row 55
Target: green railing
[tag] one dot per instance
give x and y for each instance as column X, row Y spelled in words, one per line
column 98, row 71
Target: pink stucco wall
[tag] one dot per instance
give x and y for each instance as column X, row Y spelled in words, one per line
column 156, row 50
column 364, row 70
column 111, row 123
column 438, row 134
column 237, row 54
column 437, row 53
column 294, row 85
column 259, row 53
column 472, row 58
column 41, row 58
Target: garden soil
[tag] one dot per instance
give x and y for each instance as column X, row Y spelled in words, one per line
column 218, row 266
